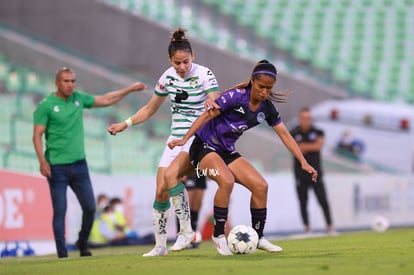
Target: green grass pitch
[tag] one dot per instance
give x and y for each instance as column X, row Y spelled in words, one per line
column 391, row 252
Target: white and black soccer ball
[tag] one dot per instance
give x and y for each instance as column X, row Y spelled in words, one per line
column 242, row 239
column 380, row 224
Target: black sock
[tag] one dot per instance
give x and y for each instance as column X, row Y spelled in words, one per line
column 194, row 220
column 258, row 219
column 220, row 218
column 177, row 221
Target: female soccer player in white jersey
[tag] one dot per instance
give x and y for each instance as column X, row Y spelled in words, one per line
column 190, row 88
column 213, row 148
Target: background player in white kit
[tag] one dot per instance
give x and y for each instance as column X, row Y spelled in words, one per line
column 190, row 88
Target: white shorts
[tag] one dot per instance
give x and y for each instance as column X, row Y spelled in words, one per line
column 170, row 154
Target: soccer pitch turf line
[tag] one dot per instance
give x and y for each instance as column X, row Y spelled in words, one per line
column 391, row 252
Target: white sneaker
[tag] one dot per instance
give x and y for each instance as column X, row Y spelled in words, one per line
column 183, row 240
column 268, row 246
column 221, row 245
column 157, row 251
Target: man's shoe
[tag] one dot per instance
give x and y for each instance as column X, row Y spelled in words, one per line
column 83, row 248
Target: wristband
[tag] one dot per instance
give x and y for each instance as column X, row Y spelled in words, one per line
column 128, row 122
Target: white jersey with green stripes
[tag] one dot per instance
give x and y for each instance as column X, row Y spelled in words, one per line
column 187, row 95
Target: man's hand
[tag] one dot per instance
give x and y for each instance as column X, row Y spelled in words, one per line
column 311, row 171
column 45, row 169
column 113, row 129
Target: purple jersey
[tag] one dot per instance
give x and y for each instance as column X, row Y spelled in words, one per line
column 222, row 132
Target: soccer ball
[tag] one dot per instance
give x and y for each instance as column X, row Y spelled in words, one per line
column 242, row 239
column 380, row 224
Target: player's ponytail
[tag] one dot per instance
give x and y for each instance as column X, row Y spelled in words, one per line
column 178, row 42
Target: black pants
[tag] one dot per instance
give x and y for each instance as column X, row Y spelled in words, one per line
column 302, row 188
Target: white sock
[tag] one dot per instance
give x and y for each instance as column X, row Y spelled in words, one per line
column 159, row 223
column 182, row 210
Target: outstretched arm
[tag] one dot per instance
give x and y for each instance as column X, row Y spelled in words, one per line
column 200, row 121
column 115, row 96
column 294, row 149
column 140, row 116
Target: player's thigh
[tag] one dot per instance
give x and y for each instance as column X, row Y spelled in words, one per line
column 179, row 167
column 245, row 174
column 214, row 167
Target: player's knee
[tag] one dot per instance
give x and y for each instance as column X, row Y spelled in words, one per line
column 227, row 184
column 170, row 176
column 161, row 194
column 261, row 188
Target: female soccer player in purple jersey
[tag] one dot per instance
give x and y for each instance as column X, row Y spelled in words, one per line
column 213, row 149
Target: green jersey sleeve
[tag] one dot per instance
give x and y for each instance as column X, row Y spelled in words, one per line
column 86, row 99
column 41, row 114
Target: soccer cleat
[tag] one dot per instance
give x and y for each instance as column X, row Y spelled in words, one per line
column 196, row 240
column 221, row 245
column 268, row 246
column 157, row 251
column 183, row 240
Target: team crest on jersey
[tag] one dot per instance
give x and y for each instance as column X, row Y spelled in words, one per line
column 56, row 109
column 312, row 136
column 241, row 90
column 193, row 83
column 260, row 117
column 77, row 103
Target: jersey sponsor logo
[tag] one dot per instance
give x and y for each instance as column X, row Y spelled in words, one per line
column 160, row 86
column 231, row 94
column 260, row 117
column 77, row 103
column 239, row 129
column 185, row 112
column 223, row 99
column 180, row 96
column 213, row 82
column 56, row 109
column 240, row 110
